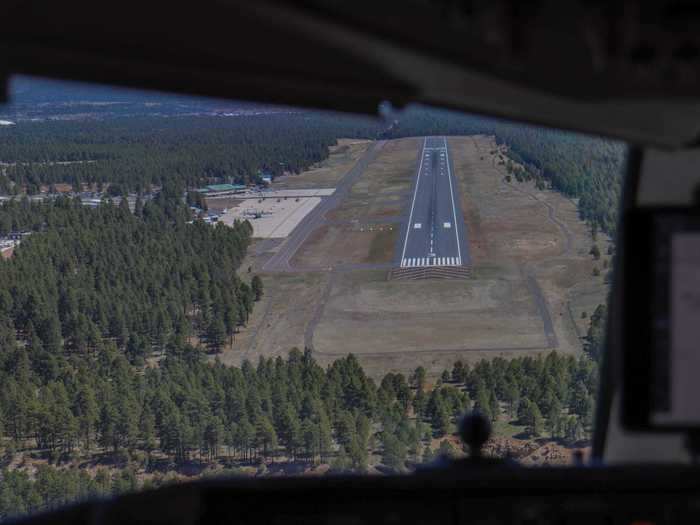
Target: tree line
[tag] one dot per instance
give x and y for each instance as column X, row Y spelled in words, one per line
column 89, row 277
column 193, row 150
column 138, row 153
column 282, row 410
column 583, row 167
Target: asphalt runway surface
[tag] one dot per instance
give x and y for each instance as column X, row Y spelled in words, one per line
column 434, row 234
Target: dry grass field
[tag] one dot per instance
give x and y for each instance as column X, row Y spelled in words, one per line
column 348, row 244
column 280, row 318
column 517, row 236
column 326, row 174
column 384, row 190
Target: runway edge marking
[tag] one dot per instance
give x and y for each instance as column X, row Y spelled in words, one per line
column 452, row 196
column 413, row 203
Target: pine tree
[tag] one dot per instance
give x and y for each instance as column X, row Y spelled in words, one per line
column 147, row 429
column 512, row 398
column 483, row 400
column 536, row 422
column 87, row 410
column 393, row 453
column 554, row 418
column 257, row 287
column 494, row 408
column 418, row 378
column 310, row 440
column 460, row 372
column 216, row 334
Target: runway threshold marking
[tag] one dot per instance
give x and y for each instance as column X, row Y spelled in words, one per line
column 414, row 262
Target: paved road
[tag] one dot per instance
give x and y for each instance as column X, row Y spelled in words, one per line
column 434, row 234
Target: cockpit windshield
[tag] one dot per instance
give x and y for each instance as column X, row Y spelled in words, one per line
column 193, row 288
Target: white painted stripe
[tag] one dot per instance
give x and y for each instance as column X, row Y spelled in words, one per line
column 454, row 211
column 422, row 261
column 453, row 260
column 442, row 261
column 403, row 263
column 415, row 192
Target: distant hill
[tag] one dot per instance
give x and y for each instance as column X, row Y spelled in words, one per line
column 31, row 90
column 41, row 99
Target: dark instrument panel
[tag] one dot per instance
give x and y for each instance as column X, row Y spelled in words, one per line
column 458, row 494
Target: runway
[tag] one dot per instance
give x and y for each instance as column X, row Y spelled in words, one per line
column 434, row 234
